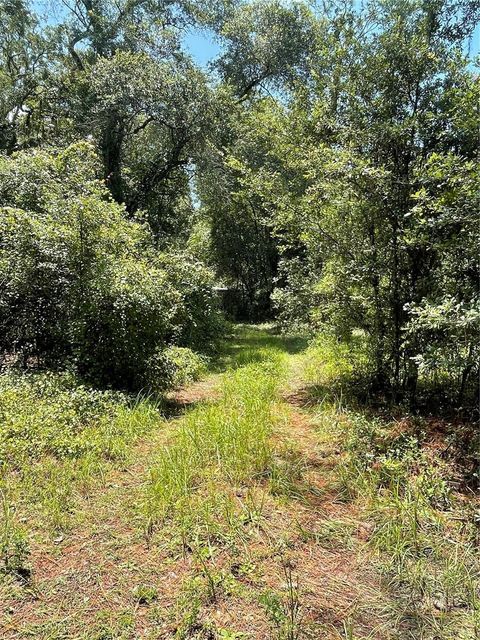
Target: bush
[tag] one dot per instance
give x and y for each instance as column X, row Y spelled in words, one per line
column 446, row 338
column 196, row 321
column 185, row 365
column 83, row 284
column 129, row 320
column 173, row 367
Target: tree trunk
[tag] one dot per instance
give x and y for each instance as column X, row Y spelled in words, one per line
column 111, row 144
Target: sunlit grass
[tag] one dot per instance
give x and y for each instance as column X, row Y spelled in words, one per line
column 222, row 441
column 254, row 343
column 58, row 439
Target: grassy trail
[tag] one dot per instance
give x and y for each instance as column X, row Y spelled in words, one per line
column 226, row 521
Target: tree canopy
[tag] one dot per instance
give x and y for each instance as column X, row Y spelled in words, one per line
column 324, row 170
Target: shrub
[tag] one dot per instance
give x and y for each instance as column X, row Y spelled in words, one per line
column 81, row 283
column 196, row 321
column 185, row 365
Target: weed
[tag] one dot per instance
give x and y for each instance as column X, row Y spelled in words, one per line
column 212, row 580
column 292, row 606
column 145, row 594
column 423, row 535
column 59, row 438
column 14, row 547
column 430, row 565
column 331, row 533
column 55, row 415
column 112, row 626
column 227, row 634
column 284, row 610
column 253, row 506
column 187, row 608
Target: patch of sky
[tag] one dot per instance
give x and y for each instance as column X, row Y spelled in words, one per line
column 473, row 44
column 202, row 46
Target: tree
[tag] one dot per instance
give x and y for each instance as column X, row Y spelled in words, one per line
column 267, row 44
column 83, row 285
column 387, row 89
column 25, row 52
column 229, row 180
column 150, row 120
column 113, row 73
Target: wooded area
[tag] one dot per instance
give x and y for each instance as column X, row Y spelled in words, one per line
column 321, row 175
column 328, row 171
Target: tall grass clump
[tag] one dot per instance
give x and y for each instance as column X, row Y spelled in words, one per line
column 226, row 441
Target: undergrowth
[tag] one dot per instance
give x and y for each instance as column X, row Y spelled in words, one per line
column 424, row 532
column 57, row 440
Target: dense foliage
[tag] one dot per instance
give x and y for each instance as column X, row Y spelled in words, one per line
column 85, row 285
column 357, row 175
column 326, row 171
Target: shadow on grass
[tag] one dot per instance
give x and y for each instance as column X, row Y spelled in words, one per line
column 245, row 344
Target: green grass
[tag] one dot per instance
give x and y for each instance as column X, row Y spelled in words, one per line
column 58, row 438
column 220, row 443
column 248, row 344
column 235, row 501
column 427, row 560
column 424, row 534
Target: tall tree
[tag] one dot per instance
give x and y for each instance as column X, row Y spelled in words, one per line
column 25, row 54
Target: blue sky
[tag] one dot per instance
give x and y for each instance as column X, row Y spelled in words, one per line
column 475, row 45
column 201, row 46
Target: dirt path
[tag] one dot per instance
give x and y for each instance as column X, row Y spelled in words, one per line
column 299, row 569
